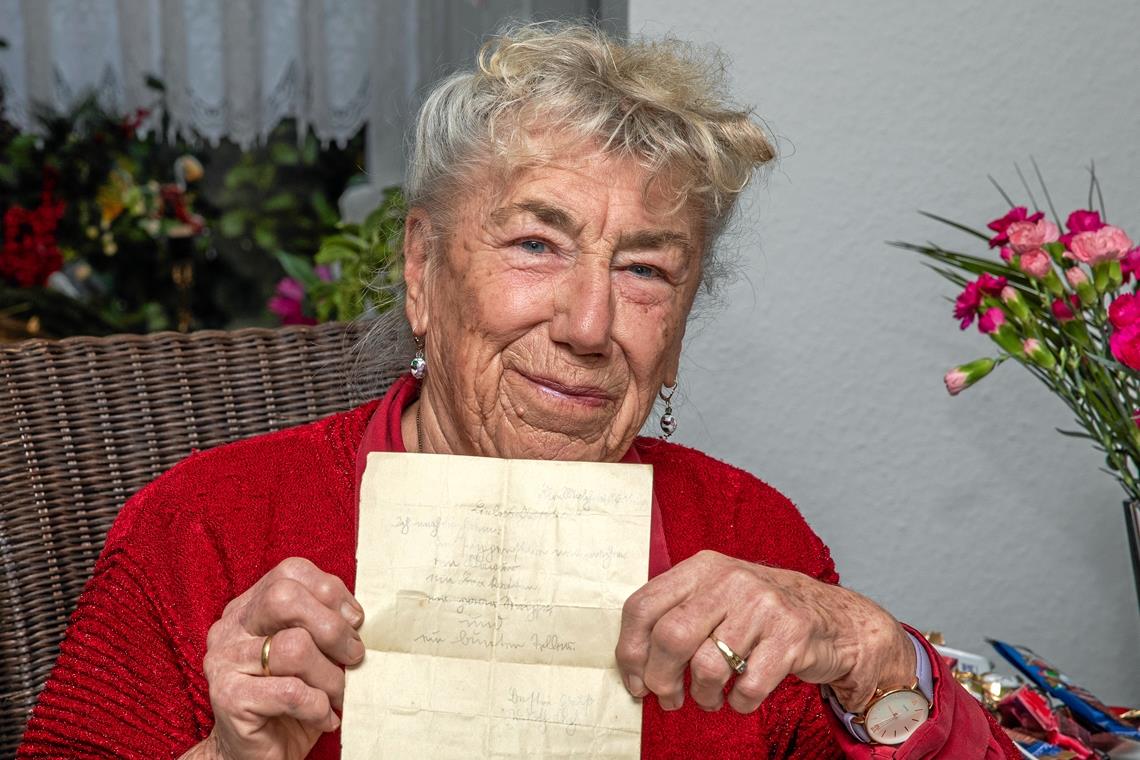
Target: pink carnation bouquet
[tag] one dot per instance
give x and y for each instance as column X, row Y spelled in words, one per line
column 1060, row 298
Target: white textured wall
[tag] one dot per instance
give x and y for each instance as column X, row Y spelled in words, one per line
column 823, row 374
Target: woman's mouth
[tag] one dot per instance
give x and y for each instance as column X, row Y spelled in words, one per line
column 588, row 395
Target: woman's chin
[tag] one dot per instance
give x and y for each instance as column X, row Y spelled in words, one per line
column 552, row 424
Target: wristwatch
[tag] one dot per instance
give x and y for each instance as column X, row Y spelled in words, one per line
column 893, row 715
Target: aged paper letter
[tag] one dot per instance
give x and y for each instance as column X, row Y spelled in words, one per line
column 493, row 591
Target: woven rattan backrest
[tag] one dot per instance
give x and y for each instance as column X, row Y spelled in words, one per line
column 86, row 422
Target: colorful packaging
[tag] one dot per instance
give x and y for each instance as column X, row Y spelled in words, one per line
column 1081, row 702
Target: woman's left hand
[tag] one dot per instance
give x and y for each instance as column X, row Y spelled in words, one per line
column 780, row 621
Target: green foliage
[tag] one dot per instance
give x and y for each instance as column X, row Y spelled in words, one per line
column 128, row 263
column 365, row 261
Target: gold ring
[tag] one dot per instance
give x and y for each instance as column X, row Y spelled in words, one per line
column 735, row 661
column 265, row 645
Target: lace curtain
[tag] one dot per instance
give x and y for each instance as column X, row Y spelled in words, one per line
column 235, row 68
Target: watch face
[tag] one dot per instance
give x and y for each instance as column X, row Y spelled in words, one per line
column 894, row 717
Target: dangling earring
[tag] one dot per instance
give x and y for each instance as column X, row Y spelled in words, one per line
column 418, row 365
column 668, row 421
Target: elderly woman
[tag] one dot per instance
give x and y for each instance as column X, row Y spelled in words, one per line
column 565, row 198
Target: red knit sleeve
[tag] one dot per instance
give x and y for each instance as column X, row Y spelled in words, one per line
column 123, row 686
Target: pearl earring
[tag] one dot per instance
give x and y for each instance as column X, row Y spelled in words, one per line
column 668, row 421
column 418, row 365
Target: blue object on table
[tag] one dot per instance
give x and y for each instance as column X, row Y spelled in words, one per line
column 1084, row 705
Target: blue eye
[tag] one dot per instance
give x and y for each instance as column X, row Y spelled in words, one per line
column 642, row 270
column 534, row 246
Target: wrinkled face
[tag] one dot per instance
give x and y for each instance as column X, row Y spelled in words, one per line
column 553, row 311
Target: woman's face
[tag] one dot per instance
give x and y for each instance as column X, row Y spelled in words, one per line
column 553, row 311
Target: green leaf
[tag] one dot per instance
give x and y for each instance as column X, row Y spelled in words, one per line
column 1075, row 434
column 240, row 175
column 956, row 225
column 232, row 223
column 265, row 237
column 326, row 213
column 297, row 267
column 333, row 252
column 346, row 239
column 280, row 202
column 310, row 151
column 284, row 153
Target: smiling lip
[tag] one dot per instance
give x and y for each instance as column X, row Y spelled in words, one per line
column 587, row 394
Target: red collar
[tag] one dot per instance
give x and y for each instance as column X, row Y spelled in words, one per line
column 383, row 433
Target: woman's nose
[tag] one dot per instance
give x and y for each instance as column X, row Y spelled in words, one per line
column 584, row 308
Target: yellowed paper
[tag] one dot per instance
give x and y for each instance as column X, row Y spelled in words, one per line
column 493, row 591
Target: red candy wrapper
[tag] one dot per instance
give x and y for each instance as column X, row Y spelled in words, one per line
column 1028, row 709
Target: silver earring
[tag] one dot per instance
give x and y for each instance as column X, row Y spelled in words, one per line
column 418, row 365
column 668, row 421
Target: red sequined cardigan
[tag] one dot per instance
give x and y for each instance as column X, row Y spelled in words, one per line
column 129, row 681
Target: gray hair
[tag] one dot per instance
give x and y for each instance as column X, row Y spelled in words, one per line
column 661, row 103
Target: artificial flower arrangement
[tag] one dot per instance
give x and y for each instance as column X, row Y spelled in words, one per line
column 97, row 223
column 1059, row 299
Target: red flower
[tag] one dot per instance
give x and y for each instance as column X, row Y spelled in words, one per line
column 990, row 285
column 1130, row 264
column 1124, row 311
column 1066, row 312
column 131, row 124
column 1018, row 214
column 1081, row 221
column 1125, row 345
column 967, row 303
column 30, row 253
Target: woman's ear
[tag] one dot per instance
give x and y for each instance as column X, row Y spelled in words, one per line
column 417, row 246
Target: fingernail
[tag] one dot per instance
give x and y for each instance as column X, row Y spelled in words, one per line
column 355, row 650
column 671, row 703
column 353, row 615
column 635, row 685
column 334, row 722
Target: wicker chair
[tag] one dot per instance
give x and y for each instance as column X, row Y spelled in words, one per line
column 86, row 422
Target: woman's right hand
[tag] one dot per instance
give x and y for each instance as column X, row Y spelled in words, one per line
column 313, row 620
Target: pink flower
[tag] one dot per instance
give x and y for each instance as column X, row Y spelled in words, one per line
column 967, row 303
column 1106, row 244
column 1007, row 254
column 1018, row 214
column 1035, row 263
column 962, row 377
column 288, row 303
column 1025, row 236
column 992, row 320
column 1076, row 276
column 1081, row 221
column 955, row 381
column 1125, row 345
column 1124, row 311
column 1066, row 312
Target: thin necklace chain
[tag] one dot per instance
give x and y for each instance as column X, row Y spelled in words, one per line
column 420, row 425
